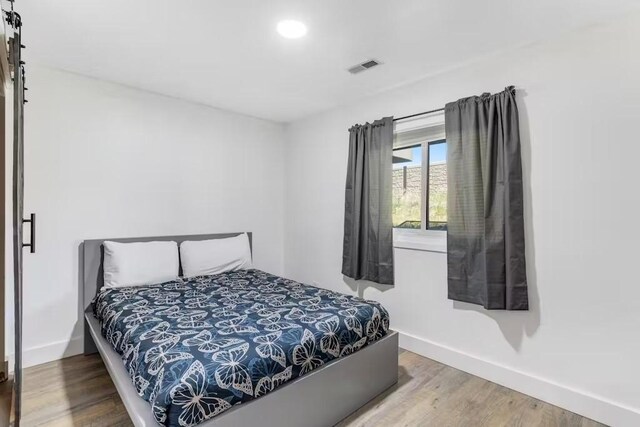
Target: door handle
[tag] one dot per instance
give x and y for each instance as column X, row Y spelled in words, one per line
column 32, row 222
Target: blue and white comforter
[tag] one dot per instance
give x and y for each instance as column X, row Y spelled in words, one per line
column 195, row 347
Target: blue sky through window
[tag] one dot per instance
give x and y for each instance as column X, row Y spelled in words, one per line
column 437, row 154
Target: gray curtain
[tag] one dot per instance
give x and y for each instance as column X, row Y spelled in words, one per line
column 485, row 237
column 368, row 231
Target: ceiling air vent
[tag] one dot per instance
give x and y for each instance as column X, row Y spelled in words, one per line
column 364, row 66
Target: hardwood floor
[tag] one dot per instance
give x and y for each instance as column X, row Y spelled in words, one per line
column 5, row 402
column 77, row 391
column 429, row 393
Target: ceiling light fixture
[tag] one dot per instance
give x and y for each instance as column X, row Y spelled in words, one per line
column 291, row 29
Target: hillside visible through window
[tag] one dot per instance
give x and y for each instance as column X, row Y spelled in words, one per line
column 437, row 206
column 410, row 185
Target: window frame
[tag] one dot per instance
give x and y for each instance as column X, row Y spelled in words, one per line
column 425, row 160
column 424, row 239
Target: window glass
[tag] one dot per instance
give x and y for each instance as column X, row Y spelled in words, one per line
column 437, row 191
column 407, row 187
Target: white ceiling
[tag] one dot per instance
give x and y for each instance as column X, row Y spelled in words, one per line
column 227, row 54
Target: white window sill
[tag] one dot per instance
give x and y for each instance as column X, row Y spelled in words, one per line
column 420, row 240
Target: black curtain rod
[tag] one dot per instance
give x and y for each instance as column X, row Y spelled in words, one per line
column 419, row 114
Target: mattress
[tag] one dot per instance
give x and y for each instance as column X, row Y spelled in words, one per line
column 195, row 347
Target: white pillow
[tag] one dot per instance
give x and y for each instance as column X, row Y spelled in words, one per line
column 140, row 263
column 208, row 257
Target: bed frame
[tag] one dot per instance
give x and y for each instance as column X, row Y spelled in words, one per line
column 321, row 398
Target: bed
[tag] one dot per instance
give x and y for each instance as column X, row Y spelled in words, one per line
column 238, row 348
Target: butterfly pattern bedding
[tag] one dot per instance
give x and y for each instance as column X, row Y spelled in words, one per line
column 195, row 347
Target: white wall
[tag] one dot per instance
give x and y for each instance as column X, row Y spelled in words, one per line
column 103, row 160
column 578, row 346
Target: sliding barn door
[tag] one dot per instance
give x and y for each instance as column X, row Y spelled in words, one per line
column 18, row 194
column 17, row 66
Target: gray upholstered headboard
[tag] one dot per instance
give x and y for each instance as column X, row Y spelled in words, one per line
column 92, row 257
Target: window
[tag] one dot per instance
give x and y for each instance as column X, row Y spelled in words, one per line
column 407, row 187
column 420, row 177
column 437, row 185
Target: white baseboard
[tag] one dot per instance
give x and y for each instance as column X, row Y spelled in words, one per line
column 49, row 352
column 591, row 406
